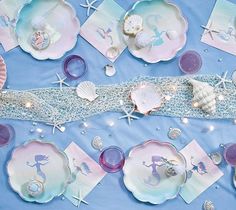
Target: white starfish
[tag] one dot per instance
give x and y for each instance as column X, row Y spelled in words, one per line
column 128, row 115
column 223, row 80
column 57, row 126
column 80, row 199
column 89, row 5
column 61, row 81
column 209, row 30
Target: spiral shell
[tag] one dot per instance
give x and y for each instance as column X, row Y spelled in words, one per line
column 87, row 90
column 3, row 73
column 203, row 96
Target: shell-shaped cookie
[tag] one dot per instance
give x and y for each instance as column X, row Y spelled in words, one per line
column 142, row 39
column 87, row 90
column 133, row 24
column 203, row 96
column 3, row 73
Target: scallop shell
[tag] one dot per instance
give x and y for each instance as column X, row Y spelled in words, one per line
column 203, row 96
column 3, row 73
column 133, row 24
column 142, row 39
column 87, row 90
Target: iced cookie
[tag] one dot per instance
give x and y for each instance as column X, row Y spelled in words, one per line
column 133, row 24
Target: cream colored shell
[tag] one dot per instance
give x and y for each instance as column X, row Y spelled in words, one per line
column 204, row 96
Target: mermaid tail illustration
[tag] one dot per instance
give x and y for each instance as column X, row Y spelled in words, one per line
column 200, row 168
column 83, row 169
column 39, row 161
column 155, row 179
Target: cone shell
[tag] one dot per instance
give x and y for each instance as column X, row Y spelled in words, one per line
column 3, row 73
column 87, row 90
column 204, row 96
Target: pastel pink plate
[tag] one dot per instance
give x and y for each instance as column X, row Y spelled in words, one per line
column 163, row 33
column 3, row 72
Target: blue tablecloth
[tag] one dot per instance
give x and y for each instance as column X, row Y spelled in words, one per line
column 24, row 72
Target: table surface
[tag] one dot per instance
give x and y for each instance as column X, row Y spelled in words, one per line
column 24, row 72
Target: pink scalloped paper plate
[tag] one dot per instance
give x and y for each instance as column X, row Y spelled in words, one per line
column 155, row 172
column 3, row 73
column 164, row 24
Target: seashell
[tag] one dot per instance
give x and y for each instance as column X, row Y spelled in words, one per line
column 174, row 133
column 172, row 35
column 133, row 24
column 87, row 90
column 203, row 96
column 208, row 205
column 35, row 188
column 3, row 73
column 142, row 39
column 146, row 97
column 216, row 158
column 110, row 70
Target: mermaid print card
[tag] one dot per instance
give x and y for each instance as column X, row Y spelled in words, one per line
column 8, row 12
column 102, row 29
column 202, row 173
column 86, row 173
column 222, row 27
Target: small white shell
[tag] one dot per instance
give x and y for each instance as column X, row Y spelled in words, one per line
column 174, row 133
column 133, row 24
column 203, row 96
column 97, row 143
column 3, row 73
column 87, row 90
column 142, row 39
column 216, row 158
column 172, row 35
column 110, row 70
column 208, row 205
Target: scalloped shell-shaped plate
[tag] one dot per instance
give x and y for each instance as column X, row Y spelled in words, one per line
column 159, row 19
column 3, row 72
column 141, row 172
column 62, row 25
column 42, row 161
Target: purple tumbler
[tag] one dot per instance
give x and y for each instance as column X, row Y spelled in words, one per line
column 6, row 134
column 230, row 154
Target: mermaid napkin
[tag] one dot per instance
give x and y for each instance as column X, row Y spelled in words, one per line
column 8, row 13
column 202, row 173
column 223, row 24
column 102, row 29
column 86, row 173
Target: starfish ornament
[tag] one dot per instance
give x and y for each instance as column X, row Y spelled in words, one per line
column 61, row 82
column 57, row 126
column 223, row 80
column 80, row 199
column 209, row 30
column 89, row 5
column 128, row 115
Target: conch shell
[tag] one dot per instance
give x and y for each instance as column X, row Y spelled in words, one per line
column 204, row 96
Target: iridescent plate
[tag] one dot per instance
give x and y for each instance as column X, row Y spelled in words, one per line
column 154, row 172
column 57, row 23
column 164, row 23
column 38, row 164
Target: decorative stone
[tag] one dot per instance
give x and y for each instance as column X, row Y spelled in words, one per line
column 97, row 143
column 174, row 133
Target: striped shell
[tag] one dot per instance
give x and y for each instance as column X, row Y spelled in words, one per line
column 3, row 73
column 203, row 96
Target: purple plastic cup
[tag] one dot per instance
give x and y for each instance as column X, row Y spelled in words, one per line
column 6, row 134
column 190, row 62
column 230, row 154
column 74, row 67
column 112, row 159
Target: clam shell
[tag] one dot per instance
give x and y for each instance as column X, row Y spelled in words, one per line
column 87, row 90
column 146, row 97
column 3, row 72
